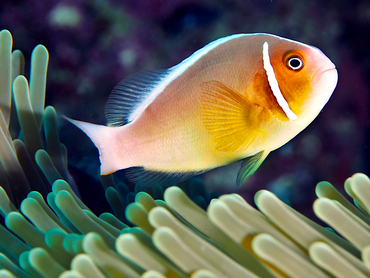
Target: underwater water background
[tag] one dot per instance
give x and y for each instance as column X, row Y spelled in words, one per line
column 95, row 44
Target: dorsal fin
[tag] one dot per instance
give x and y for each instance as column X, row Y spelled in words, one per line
column 134, row 94
column 130, row 94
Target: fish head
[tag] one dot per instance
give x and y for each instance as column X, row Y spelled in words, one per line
column 305, row 75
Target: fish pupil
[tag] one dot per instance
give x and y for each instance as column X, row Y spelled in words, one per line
column 295, row 63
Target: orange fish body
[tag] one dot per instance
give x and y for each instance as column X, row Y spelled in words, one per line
column 239, row 97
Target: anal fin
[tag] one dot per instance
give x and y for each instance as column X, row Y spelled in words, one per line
column 249, row 166
column 150, row 178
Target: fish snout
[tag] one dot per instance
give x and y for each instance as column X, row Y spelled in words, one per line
column 327, row 74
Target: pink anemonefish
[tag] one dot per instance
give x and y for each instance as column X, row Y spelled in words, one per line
column 237, row 98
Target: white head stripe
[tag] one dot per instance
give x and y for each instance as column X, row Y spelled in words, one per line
column 274, row 84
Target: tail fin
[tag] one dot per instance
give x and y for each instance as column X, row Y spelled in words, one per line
column 102, row 137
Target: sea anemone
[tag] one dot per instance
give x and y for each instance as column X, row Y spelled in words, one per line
column 54, row 234
column 176, row 238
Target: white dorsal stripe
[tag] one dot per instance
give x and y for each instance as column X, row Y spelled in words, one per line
column 274, row 84
column 176, row 71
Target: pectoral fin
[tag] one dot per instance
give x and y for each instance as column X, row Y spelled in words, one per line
column 230, row 118
column 249, row 166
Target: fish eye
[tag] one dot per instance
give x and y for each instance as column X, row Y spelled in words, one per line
column 294, row 63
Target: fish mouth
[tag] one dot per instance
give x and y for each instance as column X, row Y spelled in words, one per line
column 323, row 84
column 327, row 74
column 333, row 68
